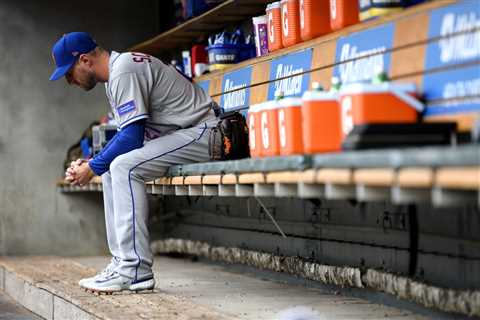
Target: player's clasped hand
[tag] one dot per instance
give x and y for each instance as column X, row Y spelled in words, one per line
column 79, row 172
column 70, row 173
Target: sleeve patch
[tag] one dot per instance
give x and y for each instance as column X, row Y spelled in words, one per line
column 126, row 108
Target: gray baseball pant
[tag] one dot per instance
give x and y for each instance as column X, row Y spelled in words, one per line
column 125, row 198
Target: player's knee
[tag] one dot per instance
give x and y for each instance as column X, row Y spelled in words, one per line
column 119, row 164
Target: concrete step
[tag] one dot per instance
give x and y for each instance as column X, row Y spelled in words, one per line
column 185, row 290
column 9, row 310
column 48, row 287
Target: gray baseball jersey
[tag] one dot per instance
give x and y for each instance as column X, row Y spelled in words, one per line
column 141, row 86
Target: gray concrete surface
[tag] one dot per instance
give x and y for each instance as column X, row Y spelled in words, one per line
column 32, row 298
column 253, row 298
column 29, row 280
column 40, row 119
column 9, row 310
column 66, row 310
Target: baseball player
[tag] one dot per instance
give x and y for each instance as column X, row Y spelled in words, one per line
column 163, row 120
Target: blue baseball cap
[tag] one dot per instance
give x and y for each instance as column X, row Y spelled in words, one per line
column 66, row 51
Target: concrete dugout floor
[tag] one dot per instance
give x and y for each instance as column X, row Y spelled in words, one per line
column 248, row 296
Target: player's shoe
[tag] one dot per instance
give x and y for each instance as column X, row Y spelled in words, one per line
column 108, row 269
column 114, row 282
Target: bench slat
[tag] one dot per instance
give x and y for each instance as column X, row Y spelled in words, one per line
column 335, row 176
column 415, row 177
column 374, row 177
column 458, row 178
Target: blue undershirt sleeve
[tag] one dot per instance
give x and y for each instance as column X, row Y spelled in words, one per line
column 129, row 138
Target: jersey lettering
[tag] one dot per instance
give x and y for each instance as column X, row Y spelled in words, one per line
column 141, row 57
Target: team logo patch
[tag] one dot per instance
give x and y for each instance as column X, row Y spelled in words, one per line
column 126, row 108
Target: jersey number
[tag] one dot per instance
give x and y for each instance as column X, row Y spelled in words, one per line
column 140, row 57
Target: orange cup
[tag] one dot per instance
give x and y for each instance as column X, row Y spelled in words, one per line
column 290, row 126
column 290, row 23
column 343, row 13
column 378, row 103
column 274, row 26
column 321, row 122
column 269, row 128
column 314, row 18
column 254, row 132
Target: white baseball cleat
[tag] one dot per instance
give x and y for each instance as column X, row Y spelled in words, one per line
column 114, row 282
column 108, row 269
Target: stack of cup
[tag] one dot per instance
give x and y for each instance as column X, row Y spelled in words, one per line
column 274, row 25
column 261, row 35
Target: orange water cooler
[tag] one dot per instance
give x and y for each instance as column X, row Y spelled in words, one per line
column 290, row 126
column 321, row 122
column 254, row 132
column 268, row 114
column 343, row 13
column 378, row 103
column 290, row 23
column 274, row 26
column 314, row 18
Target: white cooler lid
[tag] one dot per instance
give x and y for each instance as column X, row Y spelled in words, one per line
column 290, row 102
column 319, row 96
column 401, row 90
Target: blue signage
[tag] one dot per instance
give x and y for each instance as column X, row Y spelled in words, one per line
column 452, row 107
column 238, row 82
column 460, row 48
column 205, row 85
column 453, row 84
column 286, row 67
column 457, row 46
column 362, row 54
